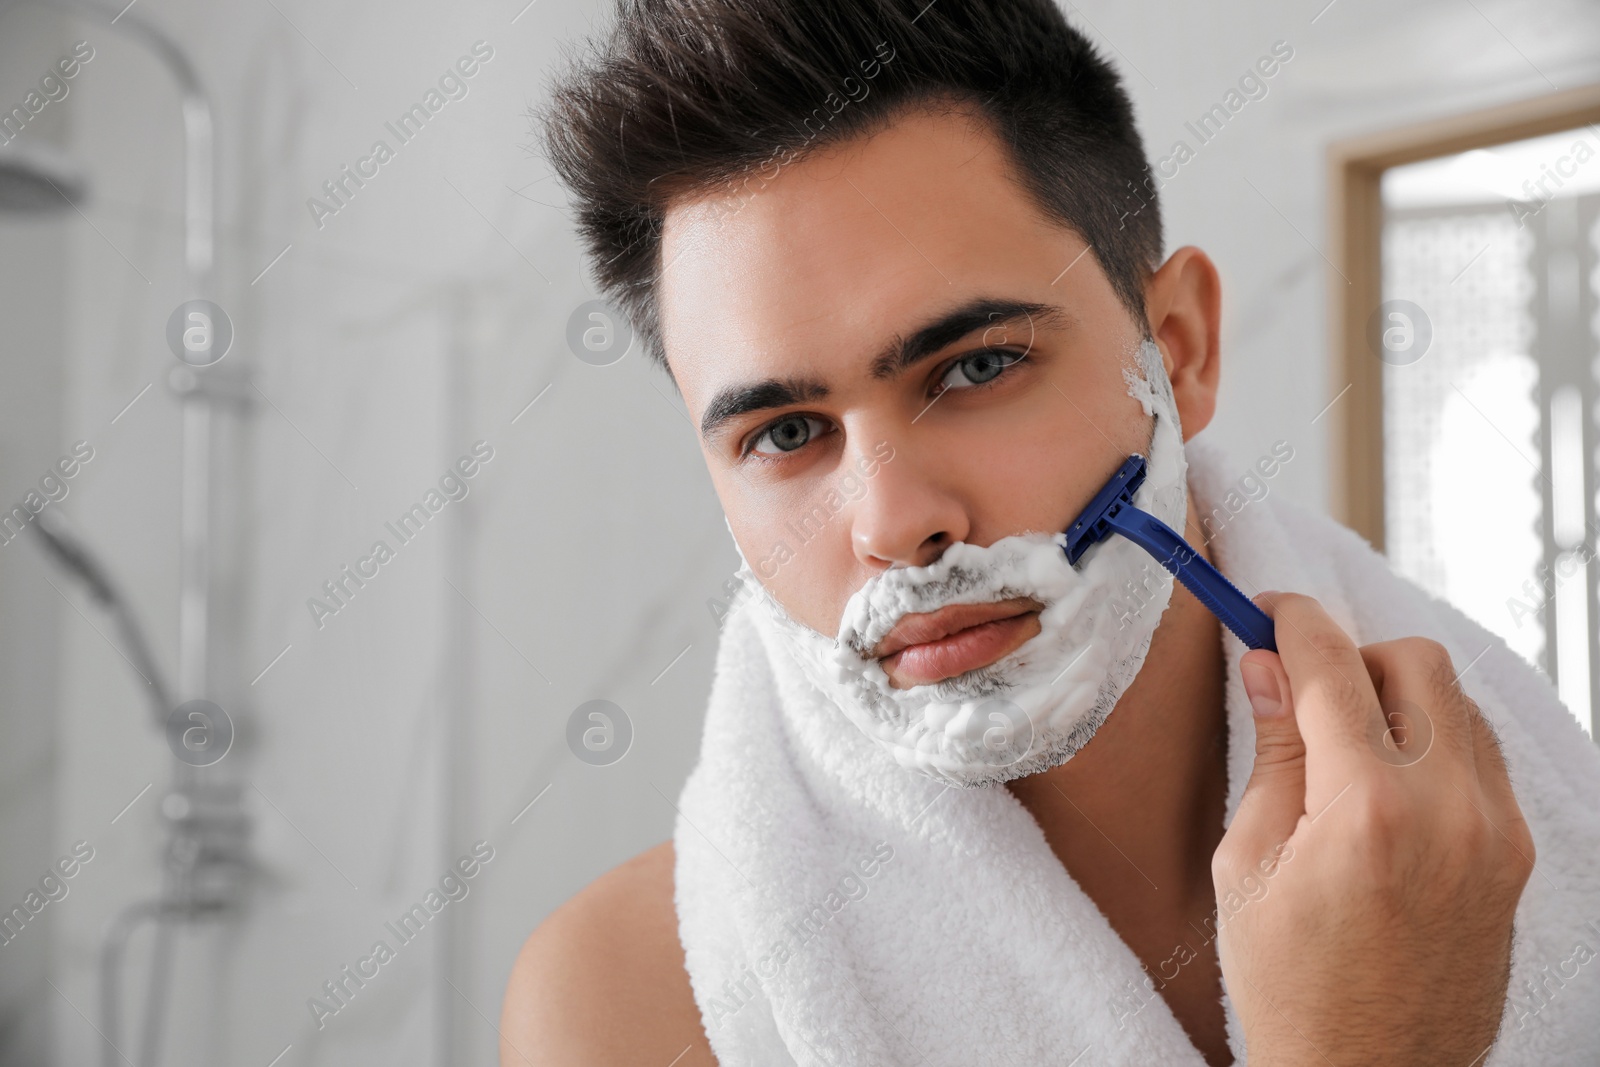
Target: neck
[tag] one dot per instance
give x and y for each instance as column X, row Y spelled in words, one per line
column 1136, row 815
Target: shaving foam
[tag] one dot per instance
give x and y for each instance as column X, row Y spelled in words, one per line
column 1039, row 705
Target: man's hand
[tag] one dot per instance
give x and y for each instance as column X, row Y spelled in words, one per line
column 1366, row 888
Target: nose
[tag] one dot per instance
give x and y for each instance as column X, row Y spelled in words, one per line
column 907, row 516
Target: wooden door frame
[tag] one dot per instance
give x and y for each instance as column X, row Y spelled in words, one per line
column 1356, row 167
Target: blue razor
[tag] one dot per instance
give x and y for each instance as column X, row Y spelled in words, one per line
column 1112, row 511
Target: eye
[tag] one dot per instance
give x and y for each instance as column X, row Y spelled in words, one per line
column 980, row 368
column 788, row 434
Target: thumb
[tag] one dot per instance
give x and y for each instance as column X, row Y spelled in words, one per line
column 1275, row 797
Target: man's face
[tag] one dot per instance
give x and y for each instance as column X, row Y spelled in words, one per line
column 889, row 349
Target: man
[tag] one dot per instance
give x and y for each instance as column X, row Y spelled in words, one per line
column 901, row 260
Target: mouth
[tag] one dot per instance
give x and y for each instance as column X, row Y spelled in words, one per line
column 929, row 647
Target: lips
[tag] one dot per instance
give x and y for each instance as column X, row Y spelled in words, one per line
column 931, row 646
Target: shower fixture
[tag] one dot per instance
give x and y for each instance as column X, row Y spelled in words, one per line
column 206, row 861
column 37, row 180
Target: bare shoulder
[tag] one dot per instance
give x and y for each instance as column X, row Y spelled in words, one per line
column 602, row 980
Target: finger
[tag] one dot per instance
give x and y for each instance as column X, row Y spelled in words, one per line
column 1435, row 727
column 1336, row 704
column 1274, row 797
column 1424, row 715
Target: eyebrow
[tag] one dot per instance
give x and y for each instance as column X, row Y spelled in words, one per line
column 738, row 400
column 984, row 313
column 904, row 351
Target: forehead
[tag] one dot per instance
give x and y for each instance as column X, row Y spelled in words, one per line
column 820, row 266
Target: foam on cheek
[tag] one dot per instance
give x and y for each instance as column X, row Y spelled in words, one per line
column 1055, row 689
column 1139, row 386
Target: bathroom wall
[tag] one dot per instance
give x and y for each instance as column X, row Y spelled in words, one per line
column 378, row 744
column 381, row 347
column 33, row 288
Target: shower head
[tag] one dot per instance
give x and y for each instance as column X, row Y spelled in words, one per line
column 35, row 180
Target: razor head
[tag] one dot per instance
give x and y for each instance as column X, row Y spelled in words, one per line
column 1094, row 522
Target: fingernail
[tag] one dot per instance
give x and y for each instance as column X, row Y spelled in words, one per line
column 1261, row 686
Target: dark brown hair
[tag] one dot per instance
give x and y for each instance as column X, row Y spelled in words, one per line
column 683, row 96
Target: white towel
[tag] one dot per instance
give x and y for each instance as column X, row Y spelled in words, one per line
column 836, row 909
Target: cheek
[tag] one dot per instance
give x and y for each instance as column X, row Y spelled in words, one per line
column 1034, row 464
column 797, row 546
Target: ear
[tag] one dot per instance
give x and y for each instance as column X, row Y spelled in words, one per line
column 1183, row 302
